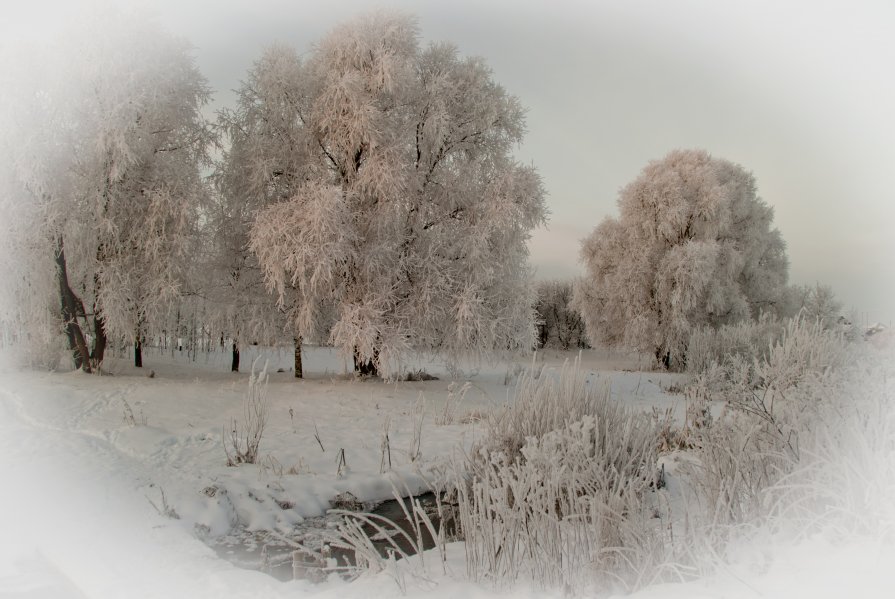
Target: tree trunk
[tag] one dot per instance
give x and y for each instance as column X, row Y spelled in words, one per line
column 175, row 338
column 298, row 369
column 99, row 343
column 366, row 367
column 663, row 357
column 99, row 323
column 70, row 301
column 138, row 352
column 234, row 367
column 542, row 334
column 194, row 336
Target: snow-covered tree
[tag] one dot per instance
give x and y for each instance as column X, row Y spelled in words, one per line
column 401, row 211
column 559, row 324
column 816, row 302
column 33, row 166
column 108, row 147
column 29, row 296
column 260, row 167
column 692, row 246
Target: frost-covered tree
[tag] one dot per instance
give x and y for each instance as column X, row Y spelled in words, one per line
column 241, row 308
column 818, row 303
column 402, row 212
column 260, row 167
column 29, row 297
column 692, row 246
column 559, row 324
column 108, row 146
column 34, row 166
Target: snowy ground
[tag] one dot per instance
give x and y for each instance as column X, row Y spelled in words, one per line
column 85, row 487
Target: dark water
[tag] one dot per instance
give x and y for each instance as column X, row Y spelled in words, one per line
column 275, row 556
column 393, row 511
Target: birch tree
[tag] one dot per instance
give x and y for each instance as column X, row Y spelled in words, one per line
column 405, row 215
column 692, row 246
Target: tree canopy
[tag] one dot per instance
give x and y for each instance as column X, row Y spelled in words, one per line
column 692, row 246
column 395, row 208
column 106, row 152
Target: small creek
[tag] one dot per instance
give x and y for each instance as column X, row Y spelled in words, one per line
column 274, row 555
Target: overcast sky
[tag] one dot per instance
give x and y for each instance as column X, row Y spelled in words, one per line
column 800, row 93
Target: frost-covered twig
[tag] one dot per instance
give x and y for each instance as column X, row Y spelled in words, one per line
column 385, row 448
column 317, row 437
column 341, row 463
column 417, row 413
column 165, row 509
column 452, row 403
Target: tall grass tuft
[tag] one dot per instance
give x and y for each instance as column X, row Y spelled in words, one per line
column 745, row 339
column 243, row 447
column 543, row 402
column 562, row 492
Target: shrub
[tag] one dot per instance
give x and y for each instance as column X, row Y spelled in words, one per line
column 808, row 435
column 844, row 476
column 454, row 399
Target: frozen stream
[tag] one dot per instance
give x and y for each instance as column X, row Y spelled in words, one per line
column 274, row 555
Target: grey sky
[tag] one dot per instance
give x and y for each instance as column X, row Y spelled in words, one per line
column 800, row 93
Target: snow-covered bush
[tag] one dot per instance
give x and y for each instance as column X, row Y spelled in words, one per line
column 809, row 431
column 779, row 382
column 737, row 460
column 561, row 491
column 456, row 394
column 845, row 475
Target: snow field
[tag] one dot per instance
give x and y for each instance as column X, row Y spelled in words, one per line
column 155, row 445
column 107, row 505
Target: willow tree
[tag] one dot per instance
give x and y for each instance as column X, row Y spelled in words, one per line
column 108, row 146
column 266, row 162
column 692, row 246
column 407, row 218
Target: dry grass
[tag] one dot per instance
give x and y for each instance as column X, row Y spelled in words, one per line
column 243, row 448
